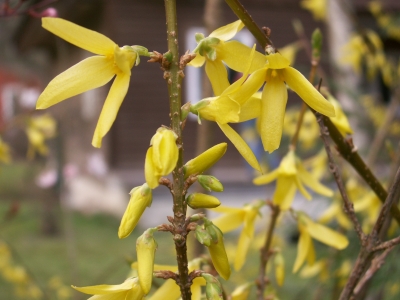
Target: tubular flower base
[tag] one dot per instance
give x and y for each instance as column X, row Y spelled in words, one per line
column 92, row 72
column 274, row 96
column 214, row 49
column 161, row 157
column 289, row 175
column 309, row 229
column 231, row 219
column 130, row 289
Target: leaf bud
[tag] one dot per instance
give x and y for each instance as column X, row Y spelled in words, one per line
column 316, row 44
column 145, row 248
column 199, row 200
column 203, row 236
column 210, row 183
column 185, row 109
column 141, row 197
column 205, row 160
column 213, row 287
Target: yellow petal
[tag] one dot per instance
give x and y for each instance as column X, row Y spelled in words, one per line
column 89, row 74
column 326, row 235
column 227, row 32
column 298, row 83
column 219, row 257
column 104, row 289
column 251, row 109
column 301, row 187
column 110, row 108
column 195, row 288
column 249, row 220
column 165, row 151
column 221, row 109
column 169, row 288
column 240, row 145
column 312, row 182
column 150, row 170
column 302, row 250
column 241, row 251
column 218, row 76
column 273, row 104
column 198, row 61
column 229, row 221
column 79, row 36
column 266, row 178
column 284, row 192
column 250, row 86
column 277, row 61
column 235, row 55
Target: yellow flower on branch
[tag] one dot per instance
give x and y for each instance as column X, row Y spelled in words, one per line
column 216, row 49
column 274, row 96
column 38, row 130
column 290, row 175
column 308, row 230
column 233, row 218
column 130, row 289
column 92, row 72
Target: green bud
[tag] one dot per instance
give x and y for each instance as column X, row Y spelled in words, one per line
column 205, row 160
column 185, row 109
column 213, row 287
column 203, row 236
column 212, row 230
column 168, row 56
column 316, row 44
column 198, row 200
column 210, row 183
column 196, row 217
column 199, row 37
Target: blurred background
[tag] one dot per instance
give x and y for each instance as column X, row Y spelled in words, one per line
column 61, row 200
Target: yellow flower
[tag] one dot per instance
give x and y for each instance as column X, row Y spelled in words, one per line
column 309, row 229
column 130, row 289
column 232, row 107
column 141, row 197
column 92, row 72
column 316, row 7
column 289, row 175
column 38, row 130
column 170, row 287
column 161, row 157
column 146, row 247
column 274, row 96
column 231, row 219
column 214, row 50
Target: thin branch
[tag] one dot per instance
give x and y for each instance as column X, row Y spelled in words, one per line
column 265, row 251
column 387, row 244
column 347, row 204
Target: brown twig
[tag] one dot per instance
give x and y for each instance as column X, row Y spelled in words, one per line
column 265, row 251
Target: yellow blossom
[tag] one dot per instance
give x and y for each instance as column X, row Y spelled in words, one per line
column 290, row 175
column 130, row 289
column 309, row 229
column 231, row 219
column 274, row 96
column 161, row 157
column 92, row 72
column 38, row 130
column 316, row 7
column 216, row 49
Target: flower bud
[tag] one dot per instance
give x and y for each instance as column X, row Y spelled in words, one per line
column 316, row 43
column 218, row 253
column 198, row 200
column 141, row 197
column 145, row 248
column 205, row 160
column 213, row 287
column 210, row 183
column 212, row 230
column 161, row 157
column 203, row 236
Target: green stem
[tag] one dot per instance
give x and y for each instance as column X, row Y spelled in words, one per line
column 174, row 89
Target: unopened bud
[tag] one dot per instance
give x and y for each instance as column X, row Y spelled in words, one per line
column 212, row 230
column 210, row 183
column 145, row 248
column 196, row 217
column 203, row 236
column 316, row 43
column 141, row 197
column 205, row 160
column 198, row 200
column 213, row 287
